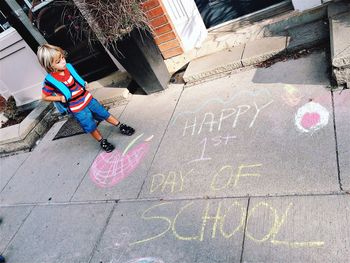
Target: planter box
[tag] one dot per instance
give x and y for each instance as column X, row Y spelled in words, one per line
column 141, row 58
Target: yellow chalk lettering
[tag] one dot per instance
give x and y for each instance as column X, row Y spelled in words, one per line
column 183, row 179
column 153, row 186
column 206, row 217
column 229, row 173
column 243, row 215
column 277, row 227
column 268, row 235
column 170, row 180
column 299, row 244
column 274, row 230
column 240, row 174
column 162, row 218
column 174, row 225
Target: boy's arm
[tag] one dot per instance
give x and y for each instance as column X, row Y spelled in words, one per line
column 48, row 94
column 53, row 98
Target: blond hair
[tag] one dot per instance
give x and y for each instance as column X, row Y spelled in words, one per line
column 46, row 55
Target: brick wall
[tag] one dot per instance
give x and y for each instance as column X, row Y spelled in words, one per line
column 163, row 30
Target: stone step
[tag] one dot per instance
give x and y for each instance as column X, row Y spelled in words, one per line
column 339, row 25
column 254, row 52
column 337, row 8
column 233, row 58
column 239, row 32
column 340, row 40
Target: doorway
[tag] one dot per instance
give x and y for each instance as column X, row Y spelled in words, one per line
column 58, row 23
column 215, row 12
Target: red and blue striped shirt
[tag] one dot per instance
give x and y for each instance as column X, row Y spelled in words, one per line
column 78, row 101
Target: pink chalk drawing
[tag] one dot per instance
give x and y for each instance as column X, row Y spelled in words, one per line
column 292, row 96
column 108, row 169
column 311, row 117
column 310, row 120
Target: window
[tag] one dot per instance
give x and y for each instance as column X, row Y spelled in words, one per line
column 4, row 24
column 36, row 4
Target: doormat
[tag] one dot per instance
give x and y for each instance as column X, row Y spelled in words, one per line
column 70, row 128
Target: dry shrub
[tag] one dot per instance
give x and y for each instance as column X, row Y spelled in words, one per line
column 111, row 20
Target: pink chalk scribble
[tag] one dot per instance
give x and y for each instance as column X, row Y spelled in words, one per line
column 108, row 169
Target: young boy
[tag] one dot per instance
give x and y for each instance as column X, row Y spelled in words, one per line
column 85, row 109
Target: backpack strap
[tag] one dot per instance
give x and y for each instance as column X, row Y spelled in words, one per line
column 63, row 110
column 63, row 107
column 60, row 86
column 75, row 75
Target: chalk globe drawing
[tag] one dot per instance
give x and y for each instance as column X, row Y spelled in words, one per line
column 311, row 117
column 108, row 169
column 146, row 260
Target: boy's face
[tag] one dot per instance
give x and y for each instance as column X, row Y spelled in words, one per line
column 59, row 62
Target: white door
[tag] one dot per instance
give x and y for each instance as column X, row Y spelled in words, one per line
column 187, row 21
column 302, row 5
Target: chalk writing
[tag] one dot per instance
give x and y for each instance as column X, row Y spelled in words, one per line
column 219, row 140
column 275, row 228
column 173, row 180
column 225, row 178
column 211, row 123
column 262, row 92
column 218, row 222
column 232, row 178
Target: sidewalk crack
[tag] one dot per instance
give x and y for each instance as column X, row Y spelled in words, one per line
column 336, row 142
column 102, row 232
column 245, row 229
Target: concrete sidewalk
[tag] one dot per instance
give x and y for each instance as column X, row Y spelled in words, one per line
column 252, row 167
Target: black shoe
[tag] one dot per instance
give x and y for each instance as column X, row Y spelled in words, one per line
column 126, row 130
column 106, row 146
column 2, row 259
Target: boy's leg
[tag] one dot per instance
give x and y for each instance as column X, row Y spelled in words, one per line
column 88, row 124
column 100, row 113
column 113, row 120
column 105, row 145
column 97, row 135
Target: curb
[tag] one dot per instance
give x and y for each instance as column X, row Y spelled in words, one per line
column 24, row 136
column 32, row 128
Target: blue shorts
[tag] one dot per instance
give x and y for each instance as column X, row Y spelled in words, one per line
column 93, row 112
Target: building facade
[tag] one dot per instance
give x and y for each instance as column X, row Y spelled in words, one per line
column 178, row 26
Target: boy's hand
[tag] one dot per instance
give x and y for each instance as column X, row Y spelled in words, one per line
column 63, row 99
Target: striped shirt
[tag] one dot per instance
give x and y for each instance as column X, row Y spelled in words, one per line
column 78, row 101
